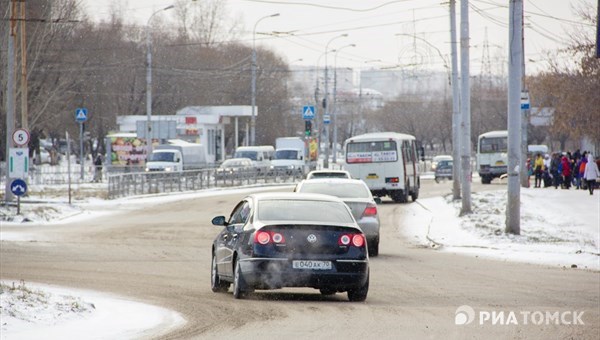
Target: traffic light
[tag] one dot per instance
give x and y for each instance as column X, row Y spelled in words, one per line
column 307, row 127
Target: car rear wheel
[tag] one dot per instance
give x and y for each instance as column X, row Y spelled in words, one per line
column 374, row 247
column 359, row 294
column 216, row 284
column 240, row 289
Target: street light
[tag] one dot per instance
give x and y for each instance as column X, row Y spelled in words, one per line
column 149, row 82
column 334, row 115
column 325, row 106
column 253, row 120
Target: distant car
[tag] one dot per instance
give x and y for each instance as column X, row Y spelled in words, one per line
column 437, row 159
column 235, row 167
column 443, row 170
column 328, row 174
column 356, row 194
column 275, row 240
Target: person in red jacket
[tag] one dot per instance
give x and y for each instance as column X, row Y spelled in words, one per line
column 566, row 172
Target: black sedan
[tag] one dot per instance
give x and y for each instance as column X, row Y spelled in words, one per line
column 276, row 240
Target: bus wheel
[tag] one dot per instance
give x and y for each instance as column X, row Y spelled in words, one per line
column 415, row 194
column 486, row 180
column 400, row 196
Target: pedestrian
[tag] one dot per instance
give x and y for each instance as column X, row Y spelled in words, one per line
column 591, row 173
column 538, row 167
column 547, row 178
column 566, row 172
column 554, row 171
column 98, row 168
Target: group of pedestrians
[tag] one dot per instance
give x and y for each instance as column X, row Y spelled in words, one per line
column 566, row 170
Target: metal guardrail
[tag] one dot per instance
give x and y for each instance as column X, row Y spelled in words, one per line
column 144, row 183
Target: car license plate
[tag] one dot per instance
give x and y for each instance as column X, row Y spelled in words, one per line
column 316, row 265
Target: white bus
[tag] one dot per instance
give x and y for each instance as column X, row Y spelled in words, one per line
column 387, row 161
column 492, row 155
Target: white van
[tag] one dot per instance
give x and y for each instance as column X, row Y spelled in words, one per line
column 387, row 161
column 260, row 155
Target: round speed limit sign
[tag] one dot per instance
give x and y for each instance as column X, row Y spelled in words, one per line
column 21, row 137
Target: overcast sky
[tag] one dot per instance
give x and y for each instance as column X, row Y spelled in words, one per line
column 373, row 26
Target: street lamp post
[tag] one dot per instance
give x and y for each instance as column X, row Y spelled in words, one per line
column 334, row 112
column 253, row 119
column 325, row 102
column 149, row 82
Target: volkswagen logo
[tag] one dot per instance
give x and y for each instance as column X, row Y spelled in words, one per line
column 311, row 238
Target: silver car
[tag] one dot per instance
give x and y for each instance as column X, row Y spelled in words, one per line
column 357, row 196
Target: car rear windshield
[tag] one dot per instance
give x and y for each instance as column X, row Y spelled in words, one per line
column 309, row 211
column 346, row 190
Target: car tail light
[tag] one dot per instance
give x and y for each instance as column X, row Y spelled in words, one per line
column 277, row 238
column 370, row 210
column 357, row 240
column 266, row 237
column 392, row 180
column 344, row 240
column 262, row 237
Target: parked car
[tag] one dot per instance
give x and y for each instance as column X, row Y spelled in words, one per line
column 356, row 194
column 275, row 240
column 443, row 170
column 235, row 167
column 328, row 174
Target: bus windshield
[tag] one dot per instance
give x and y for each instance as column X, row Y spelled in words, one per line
column 371, row 152
column 493, row 145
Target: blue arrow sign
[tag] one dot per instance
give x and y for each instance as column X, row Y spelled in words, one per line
column 81, row 114
column 18, row 187
column 308, row 112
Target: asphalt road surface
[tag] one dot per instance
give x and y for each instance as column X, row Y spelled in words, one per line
column 161, row 256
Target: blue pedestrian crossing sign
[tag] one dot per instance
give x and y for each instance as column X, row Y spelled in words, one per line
column 18, row 187
column 81, row 114
column 308, row 112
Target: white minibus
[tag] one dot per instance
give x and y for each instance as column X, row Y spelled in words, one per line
column 387, row 161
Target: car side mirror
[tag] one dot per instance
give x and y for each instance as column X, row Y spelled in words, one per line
column 220, row 221
column 422, row 153
column 301, row 158
column 377, row 200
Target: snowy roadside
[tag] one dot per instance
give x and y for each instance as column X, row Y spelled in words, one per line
column 36, row 311
column 558, row 227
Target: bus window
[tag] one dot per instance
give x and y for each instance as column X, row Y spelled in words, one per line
column 490, row 145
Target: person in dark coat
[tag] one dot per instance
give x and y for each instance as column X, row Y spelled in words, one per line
column 566, row 172
column 98, row 166
column 556, row 175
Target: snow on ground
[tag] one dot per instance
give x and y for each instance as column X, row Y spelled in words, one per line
column 558, row 228
column 36, row 311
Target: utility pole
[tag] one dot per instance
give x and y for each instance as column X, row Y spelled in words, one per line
column 23, row 38
column 465, row 105
column 455, row 105
column 10, row 93
column 524, row 112
column 514, row 115
column 598, row 31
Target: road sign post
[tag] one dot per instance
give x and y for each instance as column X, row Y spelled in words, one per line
column 18, row 187
column 308, row 112
column 81, row 115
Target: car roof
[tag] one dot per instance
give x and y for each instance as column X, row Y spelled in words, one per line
column 296, row 196
column 442, row 157
column 329, row 171
column 334, row 180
